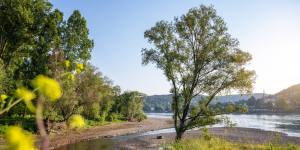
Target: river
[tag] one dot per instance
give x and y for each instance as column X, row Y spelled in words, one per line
column 289, row 124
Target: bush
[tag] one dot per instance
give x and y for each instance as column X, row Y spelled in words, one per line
column 28, row 124
column 112, row 117
column 141, row 116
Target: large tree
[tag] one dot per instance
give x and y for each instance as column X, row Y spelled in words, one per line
column 282, row 101
column 198, row 56
column 252, row 101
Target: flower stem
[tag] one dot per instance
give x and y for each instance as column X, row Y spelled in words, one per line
column 14, row 103
column 41, row 127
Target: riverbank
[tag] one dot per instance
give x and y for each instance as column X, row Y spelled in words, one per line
column 106, row 131
column 248, row 135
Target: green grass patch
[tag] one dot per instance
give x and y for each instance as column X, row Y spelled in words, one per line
column 222, row 144
column 118, row 118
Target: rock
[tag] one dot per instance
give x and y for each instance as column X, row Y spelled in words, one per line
column 159, row 137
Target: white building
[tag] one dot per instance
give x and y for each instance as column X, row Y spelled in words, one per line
column 268, row 100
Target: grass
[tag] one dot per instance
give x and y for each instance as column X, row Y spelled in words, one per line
column 222, row 144
column 118, row 119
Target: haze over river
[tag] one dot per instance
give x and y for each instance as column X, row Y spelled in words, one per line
column 289, row 124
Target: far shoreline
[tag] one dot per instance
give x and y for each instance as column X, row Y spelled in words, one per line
column 253, row 112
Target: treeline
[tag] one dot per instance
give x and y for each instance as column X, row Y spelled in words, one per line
column 292, row 94
column 166, row 100
column 37, row 41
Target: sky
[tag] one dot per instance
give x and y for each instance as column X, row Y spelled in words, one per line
column 268, row 29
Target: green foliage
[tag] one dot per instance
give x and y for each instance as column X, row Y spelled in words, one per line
column 205, row 135
column 78, row 46
column 220, row 143
column 270, row 105
column 288, row 108
column 159, row 108
column 112, row 116
column 292, row 93
column 282, row 101
column 252, row 101
column 217, row 105
column 146, row 106
column 259, row 102
column 198, row 56
column 28, row 124
column 117, row 118
column 168, row 108
column 94, row 123
column 141, row 116
column 3, row 129
column 130, row 104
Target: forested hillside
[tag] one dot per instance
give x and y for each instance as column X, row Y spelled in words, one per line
column 292, row 93
column 167, row 99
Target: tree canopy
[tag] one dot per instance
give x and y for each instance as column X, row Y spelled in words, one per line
column 198, row 56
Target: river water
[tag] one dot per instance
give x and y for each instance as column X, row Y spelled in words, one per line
column 289, row 124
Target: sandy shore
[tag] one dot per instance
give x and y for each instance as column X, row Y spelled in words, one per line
column 249, row 135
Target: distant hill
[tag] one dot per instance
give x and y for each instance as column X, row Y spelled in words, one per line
column 167, row 99
column 290, row 90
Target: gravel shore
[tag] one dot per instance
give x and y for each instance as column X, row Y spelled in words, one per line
column 248, row 135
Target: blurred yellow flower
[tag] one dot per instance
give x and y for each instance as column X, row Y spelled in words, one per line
column 67, row 63
column 70, row 77
column 47, row 86
column 78, row 70
column 79, row 66
column 3, row 97
column 17, row 140
column 76, row 122
column 27, row 96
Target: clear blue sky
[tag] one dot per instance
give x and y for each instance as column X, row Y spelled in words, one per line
column 268, row 29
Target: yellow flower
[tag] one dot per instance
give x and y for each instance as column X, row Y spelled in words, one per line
column 47, row 86
column 27, row 96
column 3, row 97
column 79, row 66
column 78, row 70
column 70, row 77
column 67, row 63
column 17, row 140
column 76, row 122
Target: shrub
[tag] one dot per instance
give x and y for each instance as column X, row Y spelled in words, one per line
column 141, row 116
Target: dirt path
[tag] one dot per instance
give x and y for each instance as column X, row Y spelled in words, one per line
column 254, row 136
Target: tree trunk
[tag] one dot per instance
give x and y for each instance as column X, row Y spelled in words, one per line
column 179, row 134
column 180, row 130
column 11, row 55
column 24, row 114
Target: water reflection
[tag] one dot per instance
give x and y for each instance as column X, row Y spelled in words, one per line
column 101, row 144
column 289, row 124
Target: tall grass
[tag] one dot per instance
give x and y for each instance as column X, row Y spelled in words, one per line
column 222, row 144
